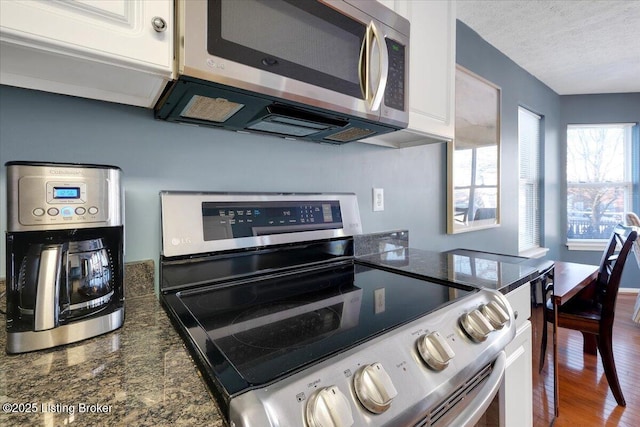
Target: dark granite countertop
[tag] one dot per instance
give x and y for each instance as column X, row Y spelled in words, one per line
column 138, row 375
column 142, row 374
column 467, row 268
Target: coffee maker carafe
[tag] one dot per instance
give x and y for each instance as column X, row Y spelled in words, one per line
column 65, row 253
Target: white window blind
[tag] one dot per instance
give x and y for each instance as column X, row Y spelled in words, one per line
column 529, row 193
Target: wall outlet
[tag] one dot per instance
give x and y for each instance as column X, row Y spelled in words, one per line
column 378, row 199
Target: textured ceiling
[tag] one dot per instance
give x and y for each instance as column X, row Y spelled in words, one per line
column 574, row 47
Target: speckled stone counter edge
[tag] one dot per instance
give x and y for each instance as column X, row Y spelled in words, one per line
column 141, row 372
column 139, row 278
column 375, row 243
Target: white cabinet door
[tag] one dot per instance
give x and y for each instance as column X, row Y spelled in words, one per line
column 103, row 49
column 431, row 73
column 516, row 393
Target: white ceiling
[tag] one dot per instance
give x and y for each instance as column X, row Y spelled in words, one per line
column 574, row 47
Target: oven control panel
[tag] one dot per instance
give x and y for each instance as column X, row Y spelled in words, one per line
column 414, row 373
column 194, row 223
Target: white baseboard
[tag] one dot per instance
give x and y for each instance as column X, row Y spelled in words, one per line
column 628, row 290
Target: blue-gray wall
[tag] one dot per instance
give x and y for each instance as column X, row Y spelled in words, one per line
column 158, row 156
column 519, row 88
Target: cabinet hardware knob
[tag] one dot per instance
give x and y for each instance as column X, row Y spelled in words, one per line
column 159, row 24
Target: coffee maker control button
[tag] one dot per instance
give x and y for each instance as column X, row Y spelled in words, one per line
column 38, row 212
column 80, row 211
column 53, row 211
column 93, row 210
column 66, row 211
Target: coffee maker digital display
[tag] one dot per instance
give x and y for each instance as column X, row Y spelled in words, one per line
column 65, row 253
column 66, row 192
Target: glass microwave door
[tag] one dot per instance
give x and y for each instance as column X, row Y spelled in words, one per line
column 303, row 40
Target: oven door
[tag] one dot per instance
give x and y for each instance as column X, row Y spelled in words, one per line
column 474, row 402
column 328, row 54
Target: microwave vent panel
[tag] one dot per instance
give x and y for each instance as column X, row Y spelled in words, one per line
column 351, row 134
column 210, row 109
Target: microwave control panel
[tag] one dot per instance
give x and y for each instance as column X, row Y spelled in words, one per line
column 394, row 92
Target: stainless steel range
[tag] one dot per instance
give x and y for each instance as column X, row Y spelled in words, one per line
column 289, row 329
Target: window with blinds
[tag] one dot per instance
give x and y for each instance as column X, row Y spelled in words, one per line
column 529, row 184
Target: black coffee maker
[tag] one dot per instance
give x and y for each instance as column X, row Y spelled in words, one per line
column 65, row 253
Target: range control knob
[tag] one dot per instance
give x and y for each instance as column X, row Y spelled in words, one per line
column 435, row 351
column 329, row 407
column 476, row 325
column 496, row 314
column 374, row 388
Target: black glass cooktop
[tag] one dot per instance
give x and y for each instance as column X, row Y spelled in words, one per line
column 254, row 332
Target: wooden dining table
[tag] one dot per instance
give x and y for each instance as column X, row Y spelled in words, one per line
column 568, row 279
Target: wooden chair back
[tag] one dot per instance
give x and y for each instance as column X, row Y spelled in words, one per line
column 610, row 273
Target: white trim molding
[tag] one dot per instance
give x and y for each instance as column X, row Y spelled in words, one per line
column 536, row 252
column 587, row 245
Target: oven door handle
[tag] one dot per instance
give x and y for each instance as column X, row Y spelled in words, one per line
column 472, row 413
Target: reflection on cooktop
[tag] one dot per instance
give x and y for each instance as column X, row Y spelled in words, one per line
column 290, row 332
column 266, row 328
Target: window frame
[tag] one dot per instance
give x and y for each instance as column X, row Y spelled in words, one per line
column 532, row 211
column 628, row 183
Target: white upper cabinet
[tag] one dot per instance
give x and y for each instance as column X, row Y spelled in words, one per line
column 431, row 73
column 112, row 50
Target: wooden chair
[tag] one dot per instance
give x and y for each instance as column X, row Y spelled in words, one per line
column 592, row 310
column 634, row 221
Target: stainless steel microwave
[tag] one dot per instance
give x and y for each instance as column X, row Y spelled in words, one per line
column 330, row 71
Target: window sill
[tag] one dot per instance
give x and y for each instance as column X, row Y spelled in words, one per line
column 593, row 245
column 537, row 252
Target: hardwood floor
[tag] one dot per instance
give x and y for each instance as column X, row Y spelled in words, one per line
column 585, row 397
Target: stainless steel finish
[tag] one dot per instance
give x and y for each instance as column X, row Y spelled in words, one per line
column 376, row 101
column 329, row 407
column 193, row 60
column 159, row 24
column 476, row 325
column 48, row 289
column 363, row 60
column 374, row 388
column 21, row 342
column 182, row 228
column 435, row 351
column 29, row 197
column 480, row 397
column 64, row 223
column 495, row 314
column 421, row 390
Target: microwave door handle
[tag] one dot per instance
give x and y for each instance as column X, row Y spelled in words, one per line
column 45, row 312
column 384, row 67
column 363, row 63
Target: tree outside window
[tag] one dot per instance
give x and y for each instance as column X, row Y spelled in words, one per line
column 598, row 179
